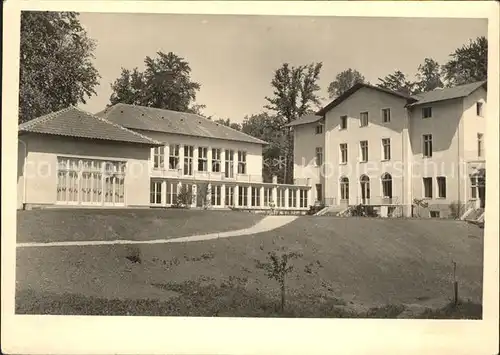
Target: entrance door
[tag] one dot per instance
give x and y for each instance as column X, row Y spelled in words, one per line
column 365, row 189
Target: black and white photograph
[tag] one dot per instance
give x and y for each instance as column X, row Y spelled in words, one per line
column 253, row 166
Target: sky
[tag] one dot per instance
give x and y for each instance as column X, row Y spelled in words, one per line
column 234, row 57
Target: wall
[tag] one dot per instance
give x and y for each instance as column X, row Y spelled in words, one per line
column 254, row 151
column 304, row 165
column 372, row 101
column 446, row 129
column 41, row 166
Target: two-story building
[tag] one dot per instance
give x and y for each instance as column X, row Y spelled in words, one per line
column 377, row 147
column 133, row 156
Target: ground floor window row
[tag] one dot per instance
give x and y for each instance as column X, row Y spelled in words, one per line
column 90, row 181
column 167, row 193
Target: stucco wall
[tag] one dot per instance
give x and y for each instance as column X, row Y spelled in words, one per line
column 41, row 166
column 371, row 101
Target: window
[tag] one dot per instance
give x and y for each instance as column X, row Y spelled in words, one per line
column 386, row 149
column 229, row 198
column 365, row 188
column 479, row 109
column 344, row 188
column 474, row 187
column 280, row 196
column 188, row 159
column 216, row 160
column 155, row 192
column 215, row 195
column 319, row 156
column 171, row 193
column 202, row 159
column 441, row 182
column 302, row 198
column 387, row 186
column 435, row 214
column 267, row 196
column 91, row 182
column 229, row 163
column 242, row 162
column 343, row 122
column 67, row 180
column 292, row 198
column 173, row 159
column 343, row 153
column 255, row 196
column 319, row 128
column 364, row 151
column 319, row 192
column 426, row 112
column 386, row 115
column 427, row 145
column 480, row 145
column 158, row 157
column 114, row 175
column 427, row 187
column 242, row 196
column 363, row 119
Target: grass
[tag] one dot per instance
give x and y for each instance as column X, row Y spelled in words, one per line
column 354, row 267
column 142, row 224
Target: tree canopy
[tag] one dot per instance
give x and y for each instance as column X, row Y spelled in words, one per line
column 165, row 83
column 344, row 81
column 227, row 122
column 56, row 63
column 428, row 76
column 398, row 82
column 468, row 63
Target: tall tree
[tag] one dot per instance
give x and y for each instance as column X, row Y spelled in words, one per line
column 227, row 122
column 428, row 76
column 56, row 68
column 468, row 63
column 295, row 94
column 267, row 128
column 165, row 83
column 344, row 81
column 398, row 82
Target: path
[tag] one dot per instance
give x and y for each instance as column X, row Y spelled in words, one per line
column 267, row 224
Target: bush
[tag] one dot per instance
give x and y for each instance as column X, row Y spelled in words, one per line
column 184, row 197
column 457, row 209
column 315, row 209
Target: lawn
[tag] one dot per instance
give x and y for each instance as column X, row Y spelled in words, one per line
column 348, row 267
column 141, row 224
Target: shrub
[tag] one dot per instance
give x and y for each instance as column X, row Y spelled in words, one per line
column 184, row 197
column 457, row 209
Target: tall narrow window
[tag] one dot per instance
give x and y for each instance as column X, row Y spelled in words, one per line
column 386, row 115
column 343, row 122
column 292, row 198
column 302, row 198
column 202, row 159
column 386, row 149
column 427, row 139
column 343, row 153
column 216, row 160
column 344, row 188
column 363, row 145
column 479, row 109
column 229, row 163
column 319, row 192
column 159, row 157
column 229, row 196
column 319, row 156
column 387, row 186
column 173, row 159
column 155, row 192
column 426, row 112
column 441, row 182
column 255, row 196
column 365, row 189
column 280, row 192
column 427, row 187
column 480, row 145
column 243, row 196
column 363, row 119
column 215, row 195
column 242, row 162
column 319, row 128
column 188, row 159
column 171, row 193
column 474, row 187
column 267, row 196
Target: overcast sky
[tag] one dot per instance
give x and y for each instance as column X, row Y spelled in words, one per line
column 234, row 57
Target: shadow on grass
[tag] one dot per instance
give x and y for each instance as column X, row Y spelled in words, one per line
column 229, row 299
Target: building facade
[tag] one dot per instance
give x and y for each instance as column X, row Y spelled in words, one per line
column 376, row 147
column 132, row 156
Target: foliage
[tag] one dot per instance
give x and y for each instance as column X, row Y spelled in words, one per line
column 428, row 76
column 397, row 82
column 315, row 209
column 457, row 209
column 468, row 63
column 277, row 268
column 165, row 83
column 56, row 68
column 184, row 197
column 294, row 95
column 363, row 211
column 344, row 81
column 227, row 122
column 203, row 193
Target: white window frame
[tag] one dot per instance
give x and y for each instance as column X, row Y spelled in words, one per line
column 255, row 196
column 242, row 162
column 363, row 158
column 203, row 159
column 343, row 148
column 344, row 188
column 215, row 195
column 319, row 128
column 319, row 156
column 386, row 153
column 363, row 119
column 427, row 146
column 386, row 115
column 243, row 196
column 188, row 160
column 159, row 158
column 428, row 191
column 229, row 196
column 441, row 189
column 280, row 197
column 173, row 157
column 343, row 119
column 155, row 192
column 427, row 112
column 302, row 198
column 229, row 163
column 216, row 160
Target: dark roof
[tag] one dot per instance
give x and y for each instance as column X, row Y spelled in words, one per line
column 76, row 123
column 167, row 121
column 305, row 120
column 447, row 93
column 355, row 88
